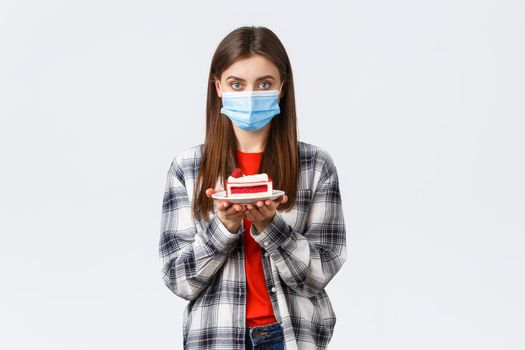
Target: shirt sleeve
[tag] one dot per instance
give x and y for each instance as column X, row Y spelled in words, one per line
column 308, row 260
column 189, row 257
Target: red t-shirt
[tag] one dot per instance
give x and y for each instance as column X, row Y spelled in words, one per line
column 259, row 310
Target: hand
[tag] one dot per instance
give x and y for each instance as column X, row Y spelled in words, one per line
column 261, row 214
column 230, row 215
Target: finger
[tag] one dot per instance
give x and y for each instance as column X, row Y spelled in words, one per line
column 268, row 205
column 265, row 207
column 237, row 206
column 229, row 211
column 265, row 211
column 255, row 212
column 209, row 192
column 271, row 205
column 235, row 216
column 226, row 208
column 281, row 200
column 260, row 204
column 249, row 216
column 232, row 215
column 233, row 210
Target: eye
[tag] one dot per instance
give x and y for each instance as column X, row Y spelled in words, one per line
column 266, row 83
column 235, row 83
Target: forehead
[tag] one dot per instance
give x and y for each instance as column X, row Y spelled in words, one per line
column 251, row 68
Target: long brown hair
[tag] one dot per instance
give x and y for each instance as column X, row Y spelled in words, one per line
column 280, row 158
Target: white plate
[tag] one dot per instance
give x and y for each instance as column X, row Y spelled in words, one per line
column 221, row 195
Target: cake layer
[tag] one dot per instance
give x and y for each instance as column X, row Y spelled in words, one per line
column 249, row 195
column 248, row 189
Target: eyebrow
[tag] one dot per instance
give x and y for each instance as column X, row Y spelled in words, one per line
column 260, row 78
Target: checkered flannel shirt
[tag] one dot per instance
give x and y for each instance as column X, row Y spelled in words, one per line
column 302, row 251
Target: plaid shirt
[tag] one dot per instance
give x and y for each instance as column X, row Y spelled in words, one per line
column 302, row 251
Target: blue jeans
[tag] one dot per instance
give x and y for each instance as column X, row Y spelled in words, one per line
column 267, row 337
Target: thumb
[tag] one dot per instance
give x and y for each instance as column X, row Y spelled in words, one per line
column 281, row 200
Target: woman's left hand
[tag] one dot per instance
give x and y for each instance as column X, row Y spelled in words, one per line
column 261, row 214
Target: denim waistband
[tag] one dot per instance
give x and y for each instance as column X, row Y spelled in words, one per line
column 265, row 333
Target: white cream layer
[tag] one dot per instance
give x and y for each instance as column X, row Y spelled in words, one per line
column 249, row 178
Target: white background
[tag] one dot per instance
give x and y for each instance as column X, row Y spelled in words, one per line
column 420, row 103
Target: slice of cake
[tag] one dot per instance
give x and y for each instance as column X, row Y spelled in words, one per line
column 241, row 186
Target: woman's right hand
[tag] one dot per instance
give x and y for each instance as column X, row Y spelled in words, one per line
column 230, row 214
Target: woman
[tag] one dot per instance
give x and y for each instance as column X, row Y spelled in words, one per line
column 254, row 274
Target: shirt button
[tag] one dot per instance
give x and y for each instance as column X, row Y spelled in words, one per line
column 273, row 289
column 266, row 254
column 266, row 244
column 240, row 290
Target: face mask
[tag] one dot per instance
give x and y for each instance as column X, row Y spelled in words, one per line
column 251, row 110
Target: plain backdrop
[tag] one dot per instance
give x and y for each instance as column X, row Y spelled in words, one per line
column 420, row 103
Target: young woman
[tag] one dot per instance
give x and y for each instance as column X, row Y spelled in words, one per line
column 254, row 274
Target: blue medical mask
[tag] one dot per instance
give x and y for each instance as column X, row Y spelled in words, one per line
column 251, row 110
